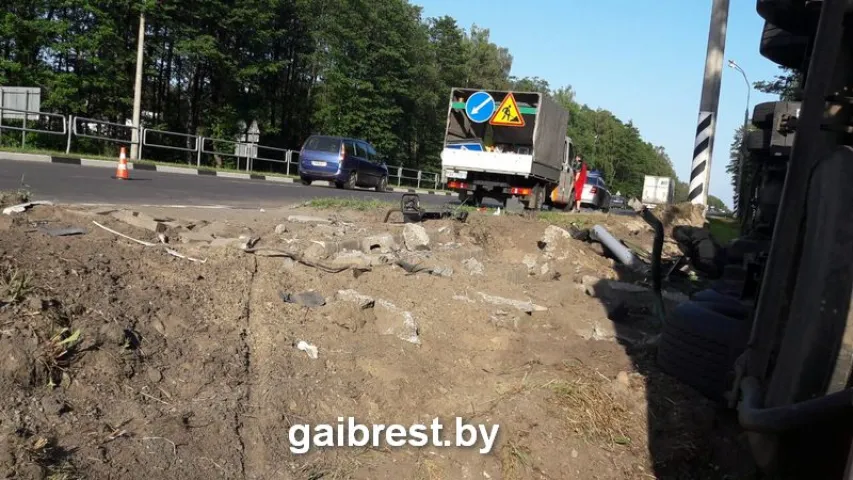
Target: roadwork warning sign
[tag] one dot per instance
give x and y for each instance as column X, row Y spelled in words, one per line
column 508, row 114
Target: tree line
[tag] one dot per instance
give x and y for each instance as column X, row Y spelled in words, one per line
column 373, row 69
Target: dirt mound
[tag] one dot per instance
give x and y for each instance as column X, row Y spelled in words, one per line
column 123, row 360
column 681, row 214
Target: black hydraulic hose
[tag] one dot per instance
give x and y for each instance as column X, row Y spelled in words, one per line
column 657, row 251
column 753, row 418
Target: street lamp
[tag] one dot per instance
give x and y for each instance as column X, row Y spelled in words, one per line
column 734, row 65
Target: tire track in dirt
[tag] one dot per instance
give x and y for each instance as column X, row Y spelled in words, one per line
column 247, row 365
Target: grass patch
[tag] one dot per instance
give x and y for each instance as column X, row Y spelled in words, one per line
column 591, row 408
column 350, row 204
column 515, row 459
column 14, row 198
column 15, row 285
column 724, row 230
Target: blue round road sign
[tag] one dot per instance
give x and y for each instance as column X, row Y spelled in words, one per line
column 480, row 107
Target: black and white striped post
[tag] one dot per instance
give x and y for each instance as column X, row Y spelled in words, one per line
column 698, row 191
column 703, row 148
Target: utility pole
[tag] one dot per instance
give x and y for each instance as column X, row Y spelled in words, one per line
column 703, row 150
column 137, row 91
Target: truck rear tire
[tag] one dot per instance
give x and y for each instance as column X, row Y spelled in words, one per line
column 699, row 347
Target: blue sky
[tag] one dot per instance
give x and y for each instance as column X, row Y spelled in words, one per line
column 643, row 61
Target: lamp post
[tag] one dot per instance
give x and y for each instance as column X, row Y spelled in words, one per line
column 743, row 150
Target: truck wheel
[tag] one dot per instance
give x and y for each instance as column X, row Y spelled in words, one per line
column 783, row 47
column 699, row 347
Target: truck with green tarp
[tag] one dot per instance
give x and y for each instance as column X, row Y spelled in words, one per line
column 503, row 145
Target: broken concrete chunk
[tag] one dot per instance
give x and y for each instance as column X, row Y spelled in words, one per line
column 139, row 220
column 526, row 307
column 620, row 298
column 354, row 297
column 280, row 228
column 310, row 299
column 383, row 243
column 415, row 237
column 390, row 319
column 360, row 260
column 474, row 266
column 553, row 238
column 307, row 219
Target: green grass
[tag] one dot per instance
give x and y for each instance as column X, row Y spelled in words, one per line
column 724, row 230
column 350, row 204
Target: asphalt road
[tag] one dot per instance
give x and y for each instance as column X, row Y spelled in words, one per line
column 73, row 184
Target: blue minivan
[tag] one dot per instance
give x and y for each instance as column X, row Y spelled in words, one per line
column 348, row 162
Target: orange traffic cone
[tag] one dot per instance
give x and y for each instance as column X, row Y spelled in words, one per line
column 122, row 172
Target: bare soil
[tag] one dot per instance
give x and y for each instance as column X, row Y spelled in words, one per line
column 122, row 361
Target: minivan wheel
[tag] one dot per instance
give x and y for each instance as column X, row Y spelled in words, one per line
column 383, row 185
column 305, row 181
column 351, row 181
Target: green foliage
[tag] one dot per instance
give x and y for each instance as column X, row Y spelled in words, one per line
column 787, row 84
column 371, row 69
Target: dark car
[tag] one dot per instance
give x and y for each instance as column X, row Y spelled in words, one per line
column 618, row 202
column 348, row 162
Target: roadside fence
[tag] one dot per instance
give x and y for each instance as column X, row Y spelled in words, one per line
column 83, row 135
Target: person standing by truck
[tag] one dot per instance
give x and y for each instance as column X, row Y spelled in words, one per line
column 580, row 181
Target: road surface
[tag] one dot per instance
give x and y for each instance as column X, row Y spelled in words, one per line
column 71, row 184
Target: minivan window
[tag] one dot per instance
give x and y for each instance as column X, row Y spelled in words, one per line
column 360, row 150
column 349, row 150
column 323, row 144
column 374, row 157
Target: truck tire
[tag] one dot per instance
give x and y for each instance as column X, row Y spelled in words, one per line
column 699, row 347
column 797, row 16
column 785, row 48
column 721, row 303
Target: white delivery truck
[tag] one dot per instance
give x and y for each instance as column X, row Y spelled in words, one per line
column 658, row 191
column 502, row 145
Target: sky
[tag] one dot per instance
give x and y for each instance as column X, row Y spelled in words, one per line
column 643, row 61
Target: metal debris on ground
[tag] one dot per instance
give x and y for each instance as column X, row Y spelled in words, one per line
column 413, row 269
column 23, row 207
column 306, row 347
column 310, row 299
column 64, row 232
column 412, row 212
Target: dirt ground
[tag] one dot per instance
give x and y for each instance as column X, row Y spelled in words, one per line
column 119, row 360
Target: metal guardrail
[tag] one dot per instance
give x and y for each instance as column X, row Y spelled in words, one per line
column 26, row 116
column 82, row 127
column 147, row 143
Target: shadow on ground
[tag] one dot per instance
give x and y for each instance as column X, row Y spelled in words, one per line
column 689, row 436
